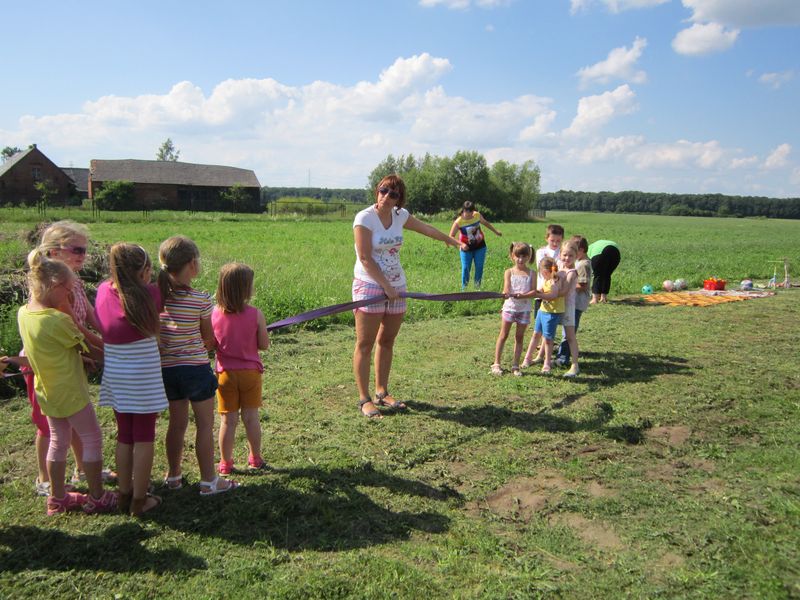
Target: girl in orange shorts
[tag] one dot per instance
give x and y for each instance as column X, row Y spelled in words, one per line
column 240, row 331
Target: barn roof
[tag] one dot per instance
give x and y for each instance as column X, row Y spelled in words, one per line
column 79, row 176
column 171, row 172
column 14, row 159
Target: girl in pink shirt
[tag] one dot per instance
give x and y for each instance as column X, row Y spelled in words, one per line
column 240, row 331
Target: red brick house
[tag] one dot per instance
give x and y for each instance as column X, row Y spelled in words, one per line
column 20, row 173
column 172, row 185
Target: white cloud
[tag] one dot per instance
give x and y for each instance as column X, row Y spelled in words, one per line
column 745, row 13
column 680, row 154
column 596, row 111
column 794, row 178
column 741, row 163
column 704, row 39
column 620, row 64
column 615, row 6
column 611, row 148
column 776, row 80
column 280, row 131
column 778, row 158
column 540, row 127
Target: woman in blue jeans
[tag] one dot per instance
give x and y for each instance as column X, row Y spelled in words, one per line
column 473, row 245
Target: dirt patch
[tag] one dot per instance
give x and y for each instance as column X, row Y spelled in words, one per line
column 597, row 490
column 673, row 435
column 521, row 498
column 662, row 567
column 465, row 476
column 595, row 533
column 709, row 486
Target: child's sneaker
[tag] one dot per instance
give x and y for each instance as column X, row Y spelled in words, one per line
column 496, row 370
column 42, row 488
column 546, row 368
column 573, row 372
column 561, row 361
column 256, row 463
column 515, row 371
column 105, row 503
column 70, row 501
column 225, row 467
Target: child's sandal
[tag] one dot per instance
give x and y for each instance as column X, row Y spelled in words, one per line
column 370, row 414
column 386, row 399
column 173, row 483
column 139, row 506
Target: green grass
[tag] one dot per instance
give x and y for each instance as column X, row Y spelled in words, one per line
column 668, row 469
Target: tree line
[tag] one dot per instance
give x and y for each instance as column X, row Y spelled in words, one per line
column 504, row 191
column 695, row 205
column 353, row 195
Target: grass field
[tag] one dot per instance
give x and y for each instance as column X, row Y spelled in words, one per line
column 668, row 469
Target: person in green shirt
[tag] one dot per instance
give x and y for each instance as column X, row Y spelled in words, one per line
column 605, row 257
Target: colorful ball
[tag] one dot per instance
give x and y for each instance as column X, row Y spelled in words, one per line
column 747, row 284
column 680, row 284
column 668, row 285
column 647, row 289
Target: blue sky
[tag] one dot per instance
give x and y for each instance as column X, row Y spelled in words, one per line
column 656, row 95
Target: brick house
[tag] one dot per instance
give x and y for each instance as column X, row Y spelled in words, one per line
column 20, row 173
column 172, row 185
column 80, row 177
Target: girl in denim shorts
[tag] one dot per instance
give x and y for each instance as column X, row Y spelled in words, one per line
column 186, row 338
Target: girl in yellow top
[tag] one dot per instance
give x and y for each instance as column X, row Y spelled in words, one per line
column 549, row 316
column 473, row 245
column 53, row 344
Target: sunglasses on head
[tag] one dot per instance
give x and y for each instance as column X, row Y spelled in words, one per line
column 393, row 194
column 76, row 250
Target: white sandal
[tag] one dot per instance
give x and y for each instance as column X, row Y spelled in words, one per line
column 213, row 486
column 173, row 483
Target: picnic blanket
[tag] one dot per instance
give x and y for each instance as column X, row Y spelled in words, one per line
column 704, row 297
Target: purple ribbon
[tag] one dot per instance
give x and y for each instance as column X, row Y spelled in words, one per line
column 337, row 308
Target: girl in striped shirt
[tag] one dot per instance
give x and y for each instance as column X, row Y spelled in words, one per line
column 186, row 338
column 127, row 309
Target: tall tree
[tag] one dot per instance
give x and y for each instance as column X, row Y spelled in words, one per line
column 167, row 151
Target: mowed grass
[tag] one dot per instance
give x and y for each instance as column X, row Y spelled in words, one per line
column 668, row 469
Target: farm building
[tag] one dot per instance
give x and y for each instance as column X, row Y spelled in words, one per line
column 20, row 174
column 81, row 179
column 173, row 185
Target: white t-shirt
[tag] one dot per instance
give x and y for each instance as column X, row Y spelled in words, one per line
column 540, row 254
column 386, row 244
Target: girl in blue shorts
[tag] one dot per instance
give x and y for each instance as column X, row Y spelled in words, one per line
column 550, row 313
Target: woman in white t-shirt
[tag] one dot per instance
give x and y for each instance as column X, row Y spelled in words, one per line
column 378, row 232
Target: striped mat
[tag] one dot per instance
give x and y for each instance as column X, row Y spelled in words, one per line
column 703, row 297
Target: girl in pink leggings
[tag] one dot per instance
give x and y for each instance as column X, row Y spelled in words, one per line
column 53, row 344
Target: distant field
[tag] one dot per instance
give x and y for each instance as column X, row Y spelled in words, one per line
column 302, row 264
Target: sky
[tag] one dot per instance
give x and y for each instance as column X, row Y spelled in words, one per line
column 681, row 96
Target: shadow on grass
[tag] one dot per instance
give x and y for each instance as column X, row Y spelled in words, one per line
column 118, row 549
column 604, row 369
column 498, row 417
column 307, row 508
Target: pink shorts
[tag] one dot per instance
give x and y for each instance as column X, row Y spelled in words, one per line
column 364, row 289
column 520, row 317
column 38, row 419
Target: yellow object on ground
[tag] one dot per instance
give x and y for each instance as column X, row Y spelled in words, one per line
column 703, row 297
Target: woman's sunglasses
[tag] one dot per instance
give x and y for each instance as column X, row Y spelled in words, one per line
column 76, row 250
column 393, row 194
